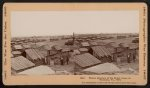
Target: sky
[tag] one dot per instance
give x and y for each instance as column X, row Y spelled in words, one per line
column 49, row 23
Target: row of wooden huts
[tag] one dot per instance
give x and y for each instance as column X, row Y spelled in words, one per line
column 89, row 54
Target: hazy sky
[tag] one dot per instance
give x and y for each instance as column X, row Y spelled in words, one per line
column 38, row 23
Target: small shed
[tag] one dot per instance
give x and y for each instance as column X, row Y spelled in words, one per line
column 18, row 47
column 83, row 50
column 20, row 63
column 85, row 60
column 121, row 53
column 52, row 53
column 134, row 51
column 85, row 45
column 16, row 53
column 66, row 54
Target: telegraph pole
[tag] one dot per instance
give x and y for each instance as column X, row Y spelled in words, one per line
column 73, row 38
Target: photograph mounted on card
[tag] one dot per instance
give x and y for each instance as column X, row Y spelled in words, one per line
column 75, row 44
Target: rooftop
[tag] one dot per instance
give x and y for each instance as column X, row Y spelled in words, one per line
column 85, row 60
column 101, row 51
column 18, row 47
column 20, row 63
column 85, row 44
column 34, row 54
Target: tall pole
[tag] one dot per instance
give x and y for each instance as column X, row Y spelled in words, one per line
column 73, row 38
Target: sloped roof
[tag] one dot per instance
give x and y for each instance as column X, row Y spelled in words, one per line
column 83, row 49
column 85, row 60
column 103, row 68
column 85, row 44
column 101, row 51
column 18, row 47
column 39, row 70
column 34, row 54
column 16, row 52
column 20, row 63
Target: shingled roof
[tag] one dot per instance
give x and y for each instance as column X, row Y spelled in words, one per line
column 34, row 54
column 20, row 63
column 86, row 60
column 101, row 51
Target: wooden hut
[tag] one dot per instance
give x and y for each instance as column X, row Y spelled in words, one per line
column 123, row 53
column 85, row 45
column 83, row 50
column 134, row 52
column 18, row 48
column 66, row 55
column 16, row 53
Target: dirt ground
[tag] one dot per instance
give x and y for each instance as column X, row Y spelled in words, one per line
column 129, row 68
column 66, row 67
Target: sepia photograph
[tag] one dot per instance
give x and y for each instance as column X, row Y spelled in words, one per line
column 75, row 44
